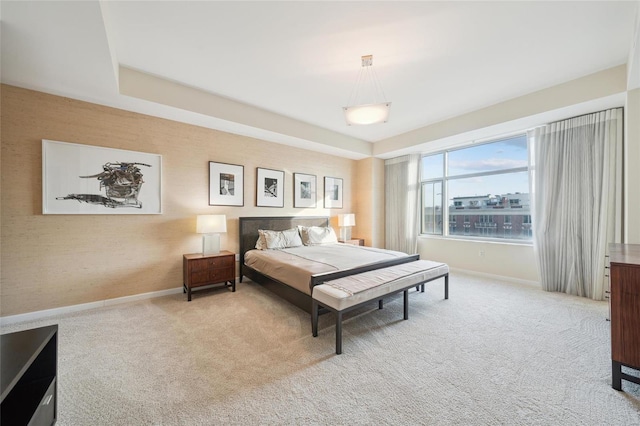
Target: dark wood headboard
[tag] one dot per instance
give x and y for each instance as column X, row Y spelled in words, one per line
column 249, row 228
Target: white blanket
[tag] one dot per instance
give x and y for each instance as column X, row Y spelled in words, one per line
column 294, row 266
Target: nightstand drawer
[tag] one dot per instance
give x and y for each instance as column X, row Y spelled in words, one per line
column 353, row 241
column 223, row 262
column 208, row 269
column 199, row 278
column 226, row 274
column 196, row 266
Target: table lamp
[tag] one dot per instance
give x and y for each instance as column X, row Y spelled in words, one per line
column 210, row 226
column 345, row 222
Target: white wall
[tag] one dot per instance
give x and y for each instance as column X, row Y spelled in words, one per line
column 494, row 258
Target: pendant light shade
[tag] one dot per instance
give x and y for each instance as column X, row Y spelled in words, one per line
column 367, row 102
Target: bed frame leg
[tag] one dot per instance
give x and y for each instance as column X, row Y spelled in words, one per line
column 338, row 333
column 446, row 286
column 314, row 318
column 406, row 304
column 422, row 288
column 380, row 304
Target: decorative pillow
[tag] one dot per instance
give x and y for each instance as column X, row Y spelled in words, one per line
column 278, row 239
column 282, row 239
column 315, row 235
column 261, row 244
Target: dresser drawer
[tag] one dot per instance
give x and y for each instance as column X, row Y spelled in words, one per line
column 223, row 262
column 45, row 414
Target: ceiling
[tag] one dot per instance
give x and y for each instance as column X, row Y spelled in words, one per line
column 287, row 68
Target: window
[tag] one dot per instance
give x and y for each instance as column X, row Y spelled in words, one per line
column 482, row 190
column 432, row 207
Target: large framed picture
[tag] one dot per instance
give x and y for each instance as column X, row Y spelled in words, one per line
column 304, row 190
column 332, row 193
column 269, row 188
column 85, row 179
column 226, row 184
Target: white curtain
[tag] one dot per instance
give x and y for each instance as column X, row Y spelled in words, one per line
column 577, row 200
column 402, row 197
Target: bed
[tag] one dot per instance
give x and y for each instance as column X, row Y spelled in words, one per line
column 295, row 285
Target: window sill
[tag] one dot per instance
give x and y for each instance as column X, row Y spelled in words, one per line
column 477, row 240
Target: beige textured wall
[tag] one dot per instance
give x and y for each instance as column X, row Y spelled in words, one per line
column 632, row 171
column 50, row 261
column 369, row 201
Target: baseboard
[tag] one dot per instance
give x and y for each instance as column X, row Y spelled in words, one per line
column 496, row 277
column 32, row 316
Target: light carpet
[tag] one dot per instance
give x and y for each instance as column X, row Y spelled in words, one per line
column 494, row 353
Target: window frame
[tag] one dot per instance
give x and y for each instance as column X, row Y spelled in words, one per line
column 446, row 210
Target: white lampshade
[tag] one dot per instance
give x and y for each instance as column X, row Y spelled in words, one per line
column 211, row 223
column 348, row 219
column 367, row 114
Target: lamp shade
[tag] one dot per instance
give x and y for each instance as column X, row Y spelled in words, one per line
column 348, row 219
column 211, row 223
column 367, row 114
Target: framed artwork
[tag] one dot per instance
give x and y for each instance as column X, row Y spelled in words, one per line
column 226, row 184
column 85, row 179
column 332, row 193
column 304, row 190
column 269, row 188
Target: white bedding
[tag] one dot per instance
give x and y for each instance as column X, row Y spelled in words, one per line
column 294, row 266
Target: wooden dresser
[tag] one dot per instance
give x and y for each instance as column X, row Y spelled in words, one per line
column 624, row 262
column 29, row 373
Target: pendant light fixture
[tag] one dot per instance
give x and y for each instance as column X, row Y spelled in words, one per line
column 367, row 100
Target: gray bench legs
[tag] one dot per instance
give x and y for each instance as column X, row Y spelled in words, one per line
column 315, row 308
column 406, row 304
column 314, row 318
column 338, row 333
column 315, row 315
column 446, row 286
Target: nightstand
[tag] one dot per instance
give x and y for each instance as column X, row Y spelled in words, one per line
column 200, row 270
column 353, row 241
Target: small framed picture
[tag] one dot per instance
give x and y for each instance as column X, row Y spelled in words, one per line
column 304, row 191
column 332, row 193
column 226, row 184
column 269, row 188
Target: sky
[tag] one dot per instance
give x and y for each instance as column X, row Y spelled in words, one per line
column 505, row 154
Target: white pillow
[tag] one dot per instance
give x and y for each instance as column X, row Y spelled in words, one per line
column 282, row 239
column 278, row 239
column 315, row 235
column 261, row 244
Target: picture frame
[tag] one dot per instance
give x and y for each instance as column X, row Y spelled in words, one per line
column 333, row 192
column 87, row 179
column 304, row 190
column 269, row 188
column 226, row 184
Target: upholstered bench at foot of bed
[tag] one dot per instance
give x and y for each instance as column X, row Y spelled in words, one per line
column 333, row 296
